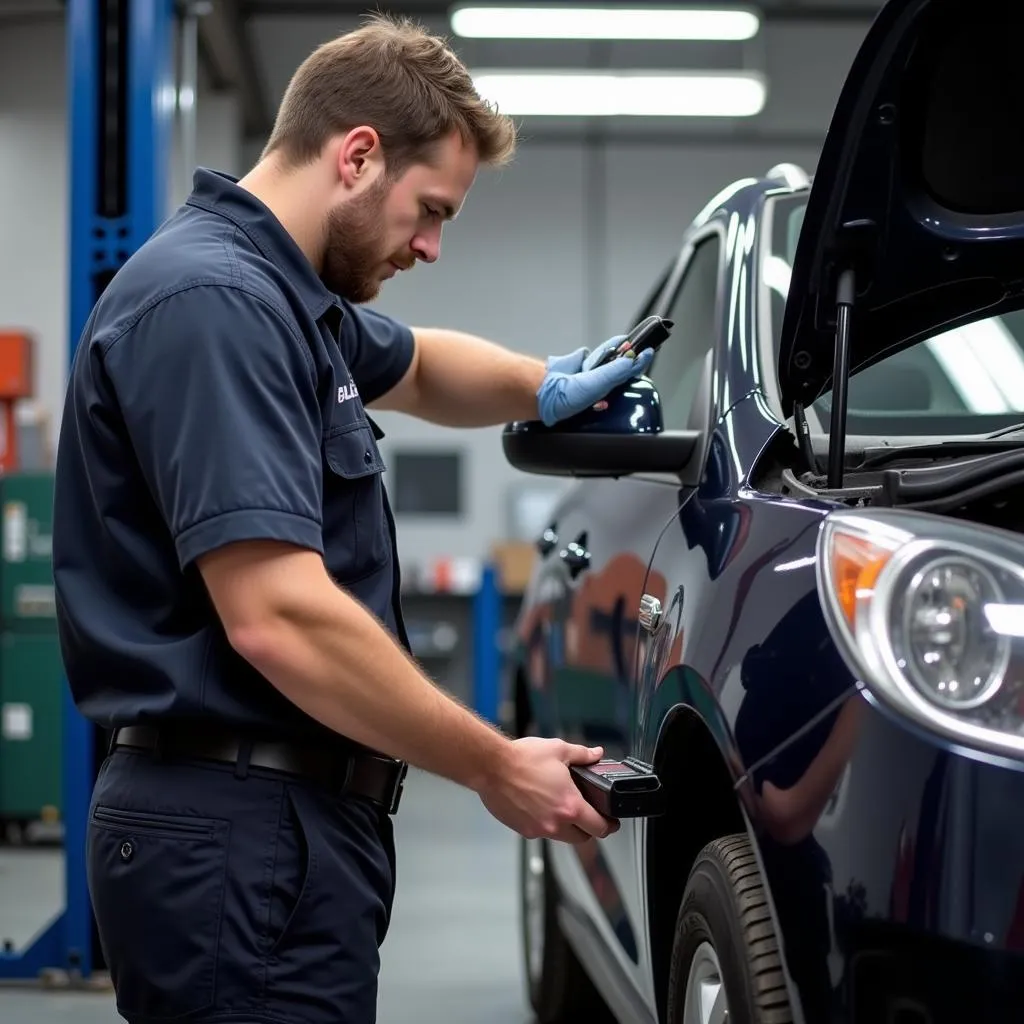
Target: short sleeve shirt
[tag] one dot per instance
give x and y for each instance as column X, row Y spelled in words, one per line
column 218, row 394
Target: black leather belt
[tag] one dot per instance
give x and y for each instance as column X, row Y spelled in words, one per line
column 356, row 772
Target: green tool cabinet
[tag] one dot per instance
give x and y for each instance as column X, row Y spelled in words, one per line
column 26, row 569
column 31, row 688
column 31, row 674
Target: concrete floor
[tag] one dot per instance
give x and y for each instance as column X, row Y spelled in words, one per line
column 452, row 954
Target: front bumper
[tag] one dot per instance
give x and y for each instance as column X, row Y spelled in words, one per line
column 896, row 976
column 905, row 904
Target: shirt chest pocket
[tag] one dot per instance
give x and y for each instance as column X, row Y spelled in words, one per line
column 356, row 538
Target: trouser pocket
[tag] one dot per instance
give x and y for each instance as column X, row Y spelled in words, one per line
column 331, row 900
column 157, row 885
column 294, row 871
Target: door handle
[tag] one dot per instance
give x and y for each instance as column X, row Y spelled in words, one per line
column 650, row 613
column 576, row 558
column 547, row 540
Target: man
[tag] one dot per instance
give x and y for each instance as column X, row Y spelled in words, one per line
column 224, row 552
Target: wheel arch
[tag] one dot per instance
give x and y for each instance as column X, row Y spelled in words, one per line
column 690, row 761
column 517, row 712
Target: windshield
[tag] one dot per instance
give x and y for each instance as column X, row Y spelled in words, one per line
column 969, row 380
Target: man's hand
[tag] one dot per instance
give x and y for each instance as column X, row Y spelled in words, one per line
column 534, row 793
column 574, row 382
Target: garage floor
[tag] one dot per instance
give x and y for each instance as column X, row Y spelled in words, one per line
column 452, row 954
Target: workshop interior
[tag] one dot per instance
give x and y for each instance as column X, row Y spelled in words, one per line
column 796, row 641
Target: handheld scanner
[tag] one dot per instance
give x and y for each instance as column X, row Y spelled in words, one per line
column 620, row 789
column 649, row 333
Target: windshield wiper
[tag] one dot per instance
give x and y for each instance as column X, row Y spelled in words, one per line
column 1007, row 430
column 941, row 449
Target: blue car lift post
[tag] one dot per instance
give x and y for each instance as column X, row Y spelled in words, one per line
column 121, row 105
column 486, row 650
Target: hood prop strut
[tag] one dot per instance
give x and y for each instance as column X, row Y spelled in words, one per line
column 840, row 378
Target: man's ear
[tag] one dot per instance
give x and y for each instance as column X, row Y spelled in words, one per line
column 360, row 157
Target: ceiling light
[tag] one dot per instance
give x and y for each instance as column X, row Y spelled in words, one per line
column 604, row 23
column 626, row 94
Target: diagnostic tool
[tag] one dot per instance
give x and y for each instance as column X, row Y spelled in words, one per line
column 649, row 333
column 620, row 789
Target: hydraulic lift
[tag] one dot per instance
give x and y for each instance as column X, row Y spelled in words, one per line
column 121, row 102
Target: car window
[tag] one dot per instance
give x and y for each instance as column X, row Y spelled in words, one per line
column 650, row 303
column 676, row 371
column 964, row 381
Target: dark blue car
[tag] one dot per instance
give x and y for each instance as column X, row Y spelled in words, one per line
column 791, row 579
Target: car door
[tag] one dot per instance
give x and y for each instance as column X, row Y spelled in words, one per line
column 606, row 536
column 682, row 374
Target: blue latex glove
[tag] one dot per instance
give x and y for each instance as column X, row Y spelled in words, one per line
column 572, row 384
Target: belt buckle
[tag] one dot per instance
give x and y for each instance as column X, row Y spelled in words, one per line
column 396, row 792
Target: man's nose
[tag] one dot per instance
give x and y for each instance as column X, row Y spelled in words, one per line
column 427, row 247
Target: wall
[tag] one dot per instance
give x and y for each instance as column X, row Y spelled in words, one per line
column 218, row 144
column 33, row 196
column 34, row 186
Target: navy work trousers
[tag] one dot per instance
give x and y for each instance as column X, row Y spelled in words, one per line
column 259, row 899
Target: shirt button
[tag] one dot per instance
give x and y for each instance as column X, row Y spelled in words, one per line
column 367, row 458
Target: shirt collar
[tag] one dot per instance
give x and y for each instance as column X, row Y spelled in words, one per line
column 220, row 193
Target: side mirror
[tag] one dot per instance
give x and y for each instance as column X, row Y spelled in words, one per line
column 621, row 435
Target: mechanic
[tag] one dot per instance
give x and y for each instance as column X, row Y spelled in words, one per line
column 224, row 553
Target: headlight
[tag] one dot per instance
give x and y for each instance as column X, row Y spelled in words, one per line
column 928, row 612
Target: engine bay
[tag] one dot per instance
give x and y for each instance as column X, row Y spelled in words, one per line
column 978, row 480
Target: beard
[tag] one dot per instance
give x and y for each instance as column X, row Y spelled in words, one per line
column 355, row 246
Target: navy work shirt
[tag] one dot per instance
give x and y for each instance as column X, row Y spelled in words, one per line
column 217, row 395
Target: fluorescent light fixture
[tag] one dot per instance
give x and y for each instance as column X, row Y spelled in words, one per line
column 626, row 22
column 624, row 94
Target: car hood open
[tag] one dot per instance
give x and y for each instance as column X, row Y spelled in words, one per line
column 919, row 189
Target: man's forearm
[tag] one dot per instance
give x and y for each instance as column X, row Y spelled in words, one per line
column 334, row 660
column 466, row 381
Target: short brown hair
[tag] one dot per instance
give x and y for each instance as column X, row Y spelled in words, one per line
column 392, row 75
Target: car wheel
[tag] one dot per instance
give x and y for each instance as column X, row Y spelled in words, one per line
column 726, row 967
column 559, row 989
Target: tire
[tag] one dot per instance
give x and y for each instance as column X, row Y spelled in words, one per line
column 724, row 934
column 559, row 989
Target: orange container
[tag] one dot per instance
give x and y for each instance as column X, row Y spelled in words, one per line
column 15, row 365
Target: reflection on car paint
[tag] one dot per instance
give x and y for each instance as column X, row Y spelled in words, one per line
column 608, row 896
